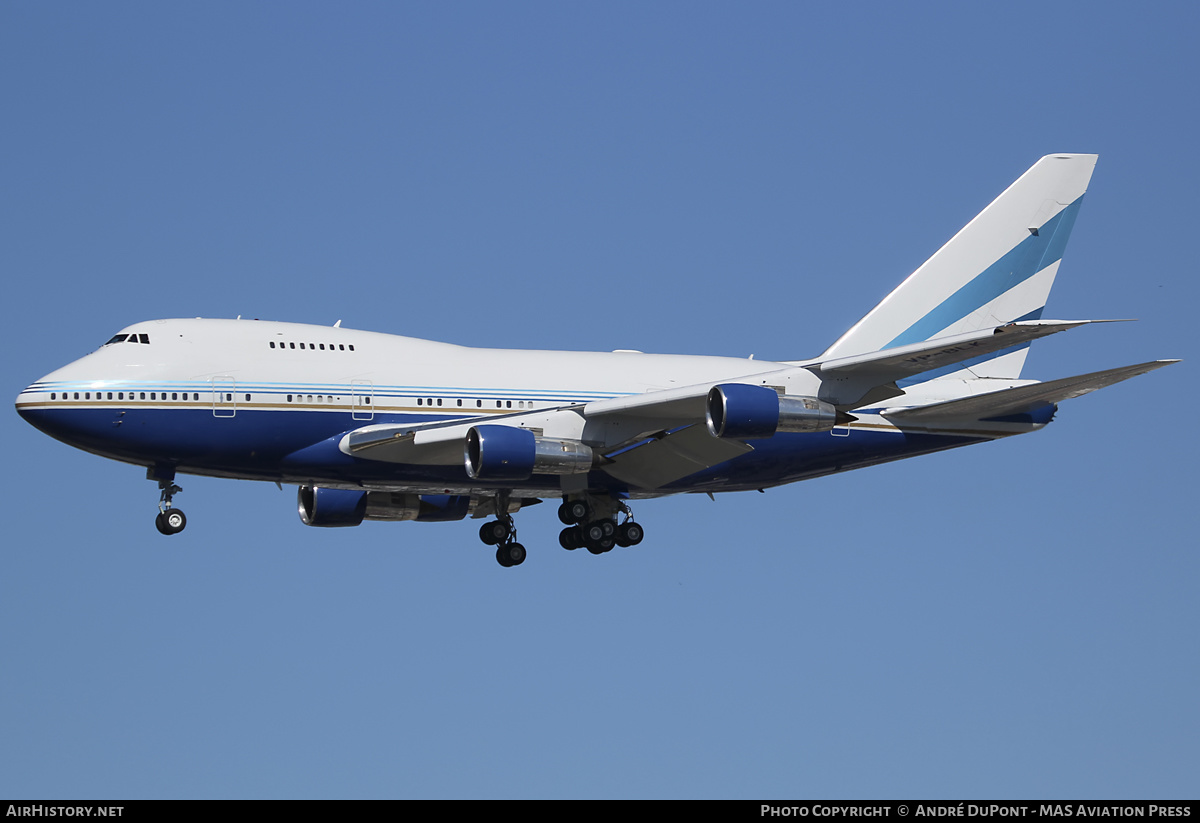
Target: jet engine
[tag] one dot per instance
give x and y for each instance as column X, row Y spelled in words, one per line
column 742, row 412
column 510, row 453
column 345, row 507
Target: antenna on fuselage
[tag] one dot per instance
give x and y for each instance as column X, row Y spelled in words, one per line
column 338, row 324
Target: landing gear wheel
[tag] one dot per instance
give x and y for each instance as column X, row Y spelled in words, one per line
column 601, row 546
column 574, row 511
column 171, row 521
column 494, row 532
column 510, row 554
column 629, row 534
column 598, row 536
column 570, row 538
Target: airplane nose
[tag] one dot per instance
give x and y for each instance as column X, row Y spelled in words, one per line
column 27, row 407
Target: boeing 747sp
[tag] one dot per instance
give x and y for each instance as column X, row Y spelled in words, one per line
column 380, row 427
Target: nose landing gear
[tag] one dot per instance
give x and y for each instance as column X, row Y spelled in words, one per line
column 169, row 520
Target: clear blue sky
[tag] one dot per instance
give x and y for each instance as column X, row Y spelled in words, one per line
column 1017, row 619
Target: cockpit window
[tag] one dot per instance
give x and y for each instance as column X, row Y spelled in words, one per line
column 129, row 338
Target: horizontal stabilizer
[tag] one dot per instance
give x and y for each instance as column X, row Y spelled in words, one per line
column 1023, row 398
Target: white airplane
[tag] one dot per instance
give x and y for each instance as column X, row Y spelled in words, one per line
column 380, row 427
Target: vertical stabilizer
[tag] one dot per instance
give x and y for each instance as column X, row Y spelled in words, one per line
column 998, row 269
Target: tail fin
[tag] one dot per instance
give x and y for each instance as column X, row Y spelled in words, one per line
column 998, row 269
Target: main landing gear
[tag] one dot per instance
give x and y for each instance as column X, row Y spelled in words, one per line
column 592, row 524
column 591, row 521
column 502, row 533
column 170, row 520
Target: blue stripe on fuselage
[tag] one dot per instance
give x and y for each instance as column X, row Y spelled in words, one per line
column 270, row 444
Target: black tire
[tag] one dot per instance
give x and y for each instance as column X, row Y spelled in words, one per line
column 173, row 521
column 569, row 538
column 160, row 524
column 510, row 554
column 493, row 532
column 579, row 510
column 564, row 514
column 630, row 534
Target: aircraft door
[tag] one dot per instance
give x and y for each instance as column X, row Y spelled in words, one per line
column 224, row 397
column 362, row 400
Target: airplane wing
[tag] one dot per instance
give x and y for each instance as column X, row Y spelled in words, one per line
column 426, row 444
column 1022, row 398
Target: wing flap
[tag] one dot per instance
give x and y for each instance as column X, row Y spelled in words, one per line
column 672, row 456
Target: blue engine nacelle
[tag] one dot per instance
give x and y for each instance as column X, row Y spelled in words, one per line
column 347, row 507
column 511, row 453
column 331, row 507
column 742, row 412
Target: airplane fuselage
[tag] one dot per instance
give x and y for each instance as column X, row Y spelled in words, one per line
column 269, row 401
